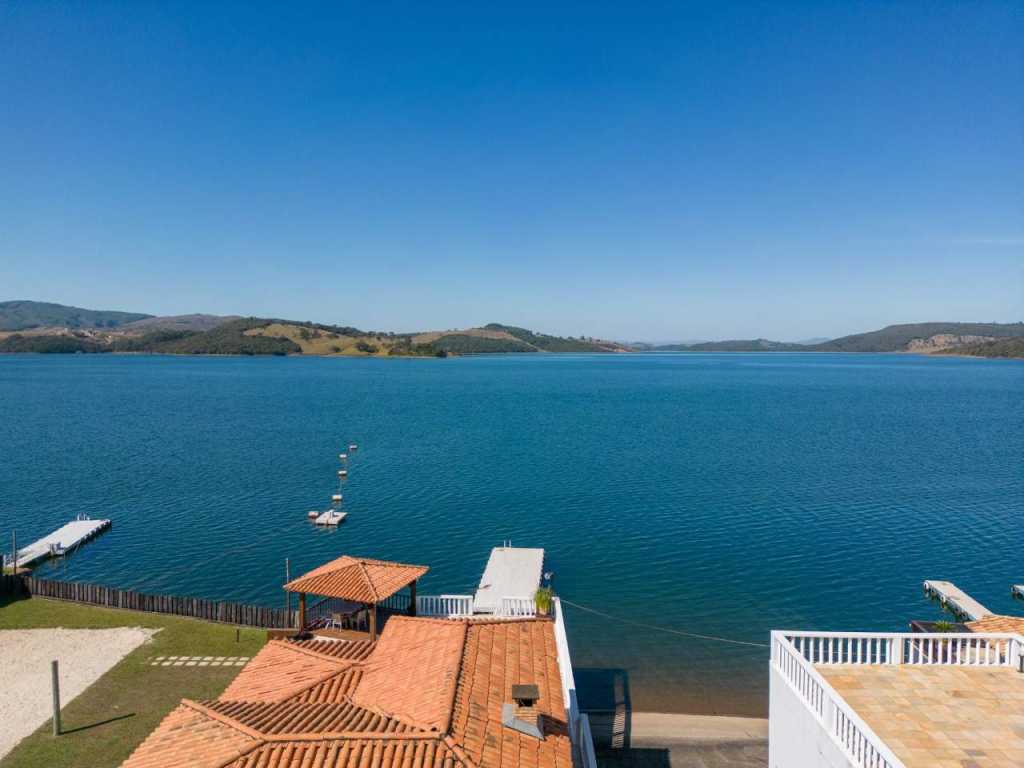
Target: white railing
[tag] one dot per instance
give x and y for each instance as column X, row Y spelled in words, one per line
column 579, row 724
column 795, row 654
column 517, row 607
column 448, row 606
column 918, row 648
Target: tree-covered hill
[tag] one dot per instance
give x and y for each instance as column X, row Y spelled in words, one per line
column 23, row 315
column 1010, row 347
column 897, row 338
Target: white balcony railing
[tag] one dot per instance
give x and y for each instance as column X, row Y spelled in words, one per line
column 795, row 654
column 457, row 606
column 448, row 606
column 517, row 607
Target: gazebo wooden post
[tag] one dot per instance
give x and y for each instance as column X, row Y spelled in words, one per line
column 412, row 598
column 373, row 620
column 302, row 611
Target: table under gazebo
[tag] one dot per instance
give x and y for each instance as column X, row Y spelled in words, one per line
column 351, row 587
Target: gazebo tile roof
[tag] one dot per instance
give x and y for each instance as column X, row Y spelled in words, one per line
column 359, row 579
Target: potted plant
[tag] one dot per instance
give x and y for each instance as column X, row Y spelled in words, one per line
column 542, row 600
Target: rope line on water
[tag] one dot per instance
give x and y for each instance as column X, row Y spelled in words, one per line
column 656, row 628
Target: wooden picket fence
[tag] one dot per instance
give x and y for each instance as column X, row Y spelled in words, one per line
column 111, row 597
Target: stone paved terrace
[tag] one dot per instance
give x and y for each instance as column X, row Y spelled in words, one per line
column 939, row 716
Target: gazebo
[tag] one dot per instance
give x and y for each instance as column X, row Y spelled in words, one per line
column 358, row 580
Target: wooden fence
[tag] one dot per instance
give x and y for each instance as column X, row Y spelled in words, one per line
column 111, row 597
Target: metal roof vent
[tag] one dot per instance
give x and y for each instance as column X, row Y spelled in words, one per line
column 521, row 714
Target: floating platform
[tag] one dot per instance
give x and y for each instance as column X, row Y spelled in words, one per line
column 61, row 541
column 956, row 600
column 510, row 572
column 331, row 517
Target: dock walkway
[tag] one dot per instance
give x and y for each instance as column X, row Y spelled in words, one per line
column 64, row 539
column 511, row 572
column 958, row 601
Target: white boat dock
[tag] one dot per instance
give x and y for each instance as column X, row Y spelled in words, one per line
column 61, row 541
column 956, row 600
column 512, row 573
column 330, row 517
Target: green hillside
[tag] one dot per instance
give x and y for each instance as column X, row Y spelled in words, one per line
column 226, row 339
column 545, row 343
column 895, row 338
column 22, row 315
column 1010, row 347
column 49, row 344
column 743, row 345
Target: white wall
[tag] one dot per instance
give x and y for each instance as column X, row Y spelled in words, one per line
column 795, row 737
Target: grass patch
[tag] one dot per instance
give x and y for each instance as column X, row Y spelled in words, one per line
column 111, row 717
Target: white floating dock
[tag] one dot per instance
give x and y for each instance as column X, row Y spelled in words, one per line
column 958, row 601
column 510, row 572
column 62, row 540
column 331, row 517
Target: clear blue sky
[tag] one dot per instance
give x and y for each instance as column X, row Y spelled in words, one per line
column 634, row 171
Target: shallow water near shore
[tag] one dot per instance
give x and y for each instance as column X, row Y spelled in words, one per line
column 721, row 494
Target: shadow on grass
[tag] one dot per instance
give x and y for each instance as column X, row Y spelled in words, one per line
column 66, row 731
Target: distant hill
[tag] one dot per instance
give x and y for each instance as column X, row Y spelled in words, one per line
column 32, row 326
column 179, row 323
column 541, row 342
column 1009, row 347
column 899, row 338
column 734, row 345
column 22, row 315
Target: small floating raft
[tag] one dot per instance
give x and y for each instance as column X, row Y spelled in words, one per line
column 342, row 473
column 353, row 447
column 331, row 517
column 336, row 498
column 343, row 456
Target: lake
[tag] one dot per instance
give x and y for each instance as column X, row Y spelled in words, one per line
column 718, row 494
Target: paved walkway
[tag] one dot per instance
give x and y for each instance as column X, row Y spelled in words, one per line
column 690, row 741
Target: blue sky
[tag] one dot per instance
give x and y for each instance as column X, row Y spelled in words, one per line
column 632, row 170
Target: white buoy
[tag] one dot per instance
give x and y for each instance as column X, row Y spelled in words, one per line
column 353, row 447
column 342, row 456
column 312, row 514
column 342, row 473
column 336, row 497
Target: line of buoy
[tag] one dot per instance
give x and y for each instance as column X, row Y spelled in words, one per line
column 334, row 515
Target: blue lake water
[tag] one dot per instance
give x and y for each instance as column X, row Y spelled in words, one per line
column 720, row 494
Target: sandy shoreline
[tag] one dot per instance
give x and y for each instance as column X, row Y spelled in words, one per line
column 25, row 655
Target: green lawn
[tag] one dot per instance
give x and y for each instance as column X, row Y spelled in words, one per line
column 109, row 719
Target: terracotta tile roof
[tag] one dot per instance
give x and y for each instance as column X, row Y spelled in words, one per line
column 496, row 656
column 431, row 752
column 428, row 695
column 335, row 689
column 188, row 738
column 281, row 670
column 357, row 578
column 297, row 717
column 413, row 670
column 995, row 623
